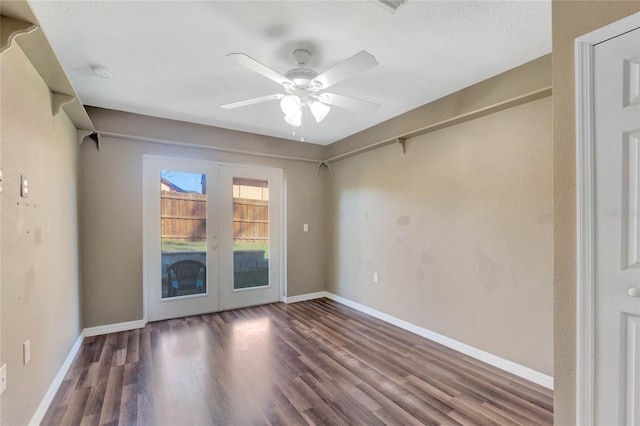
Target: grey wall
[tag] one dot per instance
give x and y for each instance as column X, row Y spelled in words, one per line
column 460, row 231
column 39, row 243
column 111, row 220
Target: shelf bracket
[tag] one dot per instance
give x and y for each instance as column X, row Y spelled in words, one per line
column 403, row 144
column 58, row 100
column 322, row 163
column 82, row 134
column 11, row 28
column 93, row 135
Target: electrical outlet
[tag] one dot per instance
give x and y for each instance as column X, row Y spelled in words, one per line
column 305, row 227
column 3, row 378
column 24, row 187
column 26, row 352
column 375, row 277
column 0, row 181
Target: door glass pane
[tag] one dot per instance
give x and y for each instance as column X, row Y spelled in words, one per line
column 183, row 211
column 250, row 233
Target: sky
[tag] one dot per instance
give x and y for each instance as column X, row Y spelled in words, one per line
column 186, row 181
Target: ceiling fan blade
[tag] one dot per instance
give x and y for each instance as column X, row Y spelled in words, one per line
column 348, row 103
column 252, row 101
column 359, row 62
column 258, row 67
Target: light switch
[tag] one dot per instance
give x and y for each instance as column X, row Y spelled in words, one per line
column 3, row 378
column 24, row 187
column 375, row 277
column 26, row 352
column 305, row 227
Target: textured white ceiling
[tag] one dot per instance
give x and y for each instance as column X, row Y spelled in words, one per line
column 168, row 57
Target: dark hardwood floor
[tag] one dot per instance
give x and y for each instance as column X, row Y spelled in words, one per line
column 315, row 362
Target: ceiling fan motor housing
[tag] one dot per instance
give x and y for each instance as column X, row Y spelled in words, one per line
column 302, row 78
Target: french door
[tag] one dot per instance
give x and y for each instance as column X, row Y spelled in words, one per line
column 212, row 236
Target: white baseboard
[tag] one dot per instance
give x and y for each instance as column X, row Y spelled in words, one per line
column 303, row 297
column 55, row 385
column 113, row 328
column 491, row 359
column 494, row 360
column 57, row 381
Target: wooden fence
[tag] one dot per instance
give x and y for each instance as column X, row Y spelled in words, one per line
column 250, row 220
column 184, row 217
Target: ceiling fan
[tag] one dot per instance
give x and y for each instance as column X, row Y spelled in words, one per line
column 304, row 87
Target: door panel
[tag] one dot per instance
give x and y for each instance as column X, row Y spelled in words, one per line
column 617, row 181
column 250, row 236
column 180, row 232
column 632, row 200
column 632, row 357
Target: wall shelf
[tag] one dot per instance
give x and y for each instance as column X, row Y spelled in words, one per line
column 19, row 25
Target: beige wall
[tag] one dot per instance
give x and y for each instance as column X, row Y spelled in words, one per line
column 39, row 293
column 42, row 302
column 460, row 231
column 465, row 104
column 571, row 19
column 111, row 221
column 117, row 123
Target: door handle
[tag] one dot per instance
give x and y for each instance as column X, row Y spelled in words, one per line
column 214, row 246
column 633, row 292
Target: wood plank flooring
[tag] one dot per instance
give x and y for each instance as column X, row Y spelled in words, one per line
column 315, row 362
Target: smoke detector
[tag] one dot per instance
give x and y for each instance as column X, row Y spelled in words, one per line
column 390, row 5
column 102, row 72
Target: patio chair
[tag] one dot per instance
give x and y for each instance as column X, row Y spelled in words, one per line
column 186, row 277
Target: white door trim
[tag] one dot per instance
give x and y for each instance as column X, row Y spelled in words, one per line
column 585, row 205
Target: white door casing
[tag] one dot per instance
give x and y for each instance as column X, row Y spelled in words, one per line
column 608, row 159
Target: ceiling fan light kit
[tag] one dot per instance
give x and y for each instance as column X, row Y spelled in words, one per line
column 294, row 120
column 292, row 108
column 319, row 110
column 304, row 87
column 290, row 105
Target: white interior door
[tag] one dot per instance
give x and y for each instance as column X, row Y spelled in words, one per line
column 617, row 181
column 250, row 236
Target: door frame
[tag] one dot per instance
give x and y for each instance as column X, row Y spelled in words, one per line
column 585, row 209
column 146, row 208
